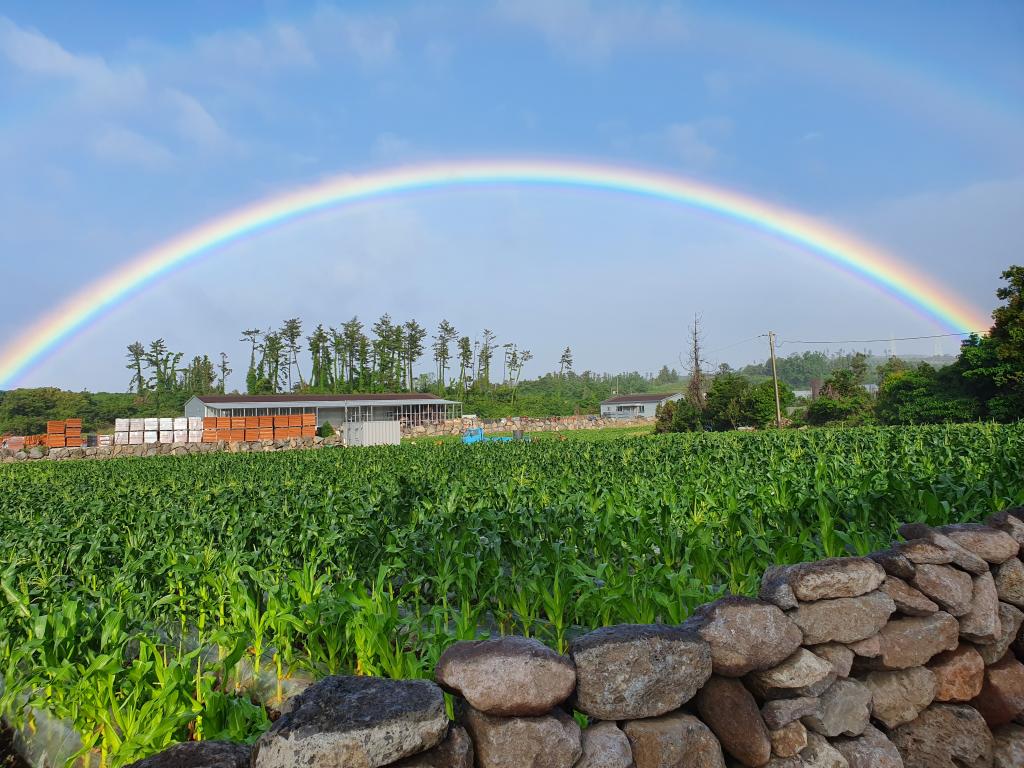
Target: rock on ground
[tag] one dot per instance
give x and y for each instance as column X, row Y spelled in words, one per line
column 845, row 619
column 1010, row 521
column 549, row 741
column 836, row 654
column 923, row 552
column 950, row 587
column 909, row 601
column 1010, row 620
column 870, row 750
column 673, row 741
column 991, row 545
column 638, row 670
column 820, row 754
column 945, row 736
column 745, row 635
column 509, row 676
column 199, row 754
column 913, row 641
column 789, row 740
column 981, row 623
column 898, row 697
column 1002, row 693
column 844, row 710
column 781, row 712
column 456, row 751
column 605, row 746
column 960, row 556
column 1008, row 746
column 894, row 562
column 365, row 721
column 730, row 711
column 802, row 674
column 1010, row 582
column 821, row 580
column 959, row 674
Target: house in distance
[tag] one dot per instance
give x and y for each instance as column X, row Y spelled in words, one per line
column 642, row 405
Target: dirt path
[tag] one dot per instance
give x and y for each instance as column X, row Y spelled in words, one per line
column 8, row 757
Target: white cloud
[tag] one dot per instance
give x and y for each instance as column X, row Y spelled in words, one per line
column 194, row 122
column 373, row 40
column 390, row 146
column 593, row 31
column 694, row 143
column 280, row 46
column 124, row 146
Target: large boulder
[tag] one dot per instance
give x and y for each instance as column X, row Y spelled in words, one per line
column 981, row 623
column 1008, row 746
column 456, row 751
column 894, row 562
column 959, row 674
column 1010, row 582
column 913, row 641
column 199, row 754
column 945, row 736
column 845, row 619
column 1010, row 521
column 802, row 674
column 950, row 587
column 825, row 579
column 960, row 556
column 789, row 740
column 605, row 746
column 730, row 711
column 1010, row 620
column 677, row 740
column 838, row 655
column 1002, row 692
column 638, row 670
column 549, row 741
column 898, row 697
column 869, row 750
column 843, row 710
column 745, row 635
column 510, row 676
column 364, row 721
column 923, row 552
column 991, row 545
column 909, row 601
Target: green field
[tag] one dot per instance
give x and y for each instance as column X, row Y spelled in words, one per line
column 134, row 593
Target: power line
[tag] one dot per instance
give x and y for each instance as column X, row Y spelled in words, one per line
column 736, row 344
column 871, row 341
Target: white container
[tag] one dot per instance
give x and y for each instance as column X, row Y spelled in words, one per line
column 120, row 438
column 136, row 425
column 165, row 437
column 180, row 435
column 149, row 437
column 180, row 423
column 166, row 425
column 195, row 423
column 195, row 436
column 122, row 425
column 151, row 425
column 136, row 438
column 104, row 439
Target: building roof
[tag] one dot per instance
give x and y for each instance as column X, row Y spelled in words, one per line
column 379, row 397
column 640, row 397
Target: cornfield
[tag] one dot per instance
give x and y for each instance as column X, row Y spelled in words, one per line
column 143, row 600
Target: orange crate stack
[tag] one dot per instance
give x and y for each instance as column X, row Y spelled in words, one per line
column 209, row 422
column 73, row 442
column 252, row 422
column 266, row 433
column 309, row 420
column 236, row 435
column 223, row 422
column 251, row 435
column 295, row 420
column 55, row 427
column 309, row 431
column 237, row 422
column 280, row 421
column 266, row 421
column 210, row 435
column 54, row 441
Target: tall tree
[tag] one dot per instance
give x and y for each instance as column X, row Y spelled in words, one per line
column 696, row 390
column 465, row 363
column 355, row 340
column 224, row 371
column 136, row 353
column 415, row 334
column 446, row 333
column 565, row 362
column 290, row 334
column 484, row 357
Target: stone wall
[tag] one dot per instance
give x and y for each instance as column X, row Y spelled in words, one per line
column 908, row 657
column 38, row 453
column 525, row 423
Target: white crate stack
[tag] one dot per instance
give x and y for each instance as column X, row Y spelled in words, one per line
column 157, row 431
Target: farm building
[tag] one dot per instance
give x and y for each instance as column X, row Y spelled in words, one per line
column 636, row 406
column 409, row 408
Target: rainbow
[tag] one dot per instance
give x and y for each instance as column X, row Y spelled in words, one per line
column 837, row 248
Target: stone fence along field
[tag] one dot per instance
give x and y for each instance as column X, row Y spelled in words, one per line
column 907, row 657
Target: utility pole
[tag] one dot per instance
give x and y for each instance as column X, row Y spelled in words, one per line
column 775, row 379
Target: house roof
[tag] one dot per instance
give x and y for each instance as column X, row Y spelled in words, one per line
column 397, row 397
column 640, row 397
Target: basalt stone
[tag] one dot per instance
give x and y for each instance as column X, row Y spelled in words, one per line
column 605, row 746
column 962, row 557
column 844, row 710
column 909, row 601
column 1002, row 692
column 802, row 674
column 1010, row 582
column 945, row 736
column 1010, row 620
column 924, row 552
column 509, row 676
column 821, row 580
column 789, row 740
column 673, row 741
column 745, row 635
column 949, row 587
column 820, row 754
column 549, row 741
column 836, row 654
column 456, row 751
column 1010, row 521
column 913, row 641
column 638, row 670
column 359, row 721
column 870, row 750
column 991, row 545
column 199, row 754
column 782, row 712
column 894, row 562
column 1008, row 746
column 730, row 711
column 981, row 623
column 959, row 674
column 898, row 697
column 845, row 619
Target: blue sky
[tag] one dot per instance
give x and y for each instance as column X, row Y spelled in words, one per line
column 122, row 124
